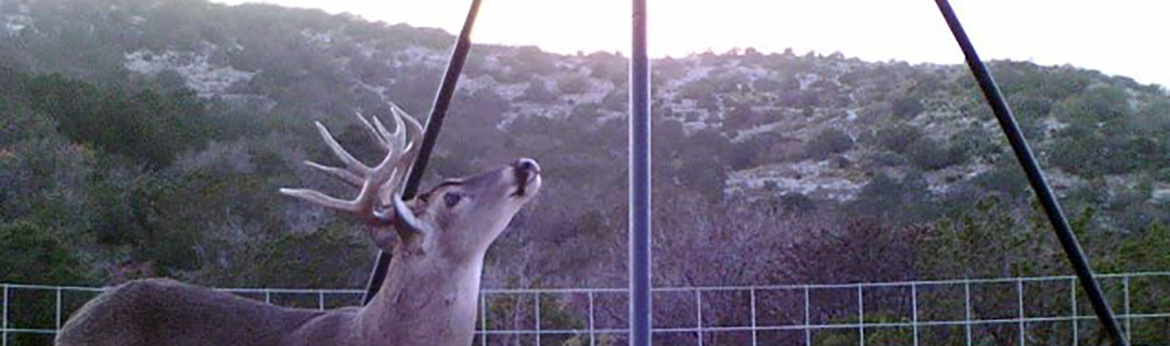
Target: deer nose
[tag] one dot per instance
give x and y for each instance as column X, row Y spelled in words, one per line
column 526, row 166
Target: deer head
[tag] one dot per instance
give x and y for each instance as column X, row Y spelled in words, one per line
column 429, row 295
column 457, row 219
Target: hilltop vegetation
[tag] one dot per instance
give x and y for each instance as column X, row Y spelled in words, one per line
column 148, row 138
column 190, row 114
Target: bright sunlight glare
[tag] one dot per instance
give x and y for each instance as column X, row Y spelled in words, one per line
column 1116, row 37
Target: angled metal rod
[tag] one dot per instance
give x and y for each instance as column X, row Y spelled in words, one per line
column 639, row 244
column 430, row 135
column 1007, row 121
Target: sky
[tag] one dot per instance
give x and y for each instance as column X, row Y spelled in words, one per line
column 1116, row 37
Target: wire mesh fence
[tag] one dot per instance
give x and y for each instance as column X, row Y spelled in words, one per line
column 1049, row 310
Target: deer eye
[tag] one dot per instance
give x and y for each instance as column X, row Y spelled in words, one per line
column 451, row 199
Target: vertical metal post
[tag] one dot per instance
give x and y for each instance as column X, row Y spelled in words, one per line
column 640, row 319
column 483, row 335
column 914, row 308
column 1076, row 333
column 430, row 135
column 860, row 315
column 1060, row 225
column 321, row 300
column 592, row 338
column 1020, row 301
column 807, row 318
column 537, row 312
column 967, row 319
column 1128, row 314
column 755, row 331
column 4, row 313
column 58, row 315
column 699, row 315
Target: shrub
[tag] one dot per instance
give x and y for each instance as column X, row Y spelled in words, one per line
column 828, row 142
column 538, row 93
column 931, row 154
column 907, row 107
column 898, row 137
column 574, row 84
column 35, row 254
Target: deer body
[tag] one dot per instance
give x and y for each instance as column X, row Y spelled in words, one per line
column 429, row 296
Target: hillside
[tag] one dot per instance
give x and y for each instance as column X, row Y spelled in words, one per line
column 808, row 137
column 144, row 138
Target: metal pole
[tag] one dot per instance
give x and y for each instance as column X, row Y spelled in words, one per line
column 640, row 321
column 807, row 318
column 483, row 319
column 58, row 314
column 914, row 309
column 537, row 311
column 4, row 314
column 860, row 314
column 430, row 135
column 1020, row 304
column 1007, row 121
column 755, row 331
column 699, row 315
column 967, row 309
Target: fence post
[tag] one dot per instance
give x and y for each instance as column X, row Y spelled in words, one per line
column 483, row 319
column 860, row 315
column 755, row 339
column 321, row 300
column 591, row 327
column 1020, row 301
column 537, row 309
column 1075, row 327
column 58, row 318
column 967, row 320
column 914, row 309
column 4, row 326
column 807, row 319
column 699, row 314
column 1128, row 315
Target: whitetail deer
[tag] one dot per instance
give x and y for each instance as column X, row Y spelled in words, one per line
column 429, row 296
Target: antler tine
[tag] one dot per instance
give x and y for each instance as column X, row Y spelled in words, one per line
column 369, row 180
column 378, row 137
column 347, row 176
column 407, row 128
column 399, row 135
column 413, row 129
column 386, row 135
column 340, row 152
column 378, row 183
column 322, row 199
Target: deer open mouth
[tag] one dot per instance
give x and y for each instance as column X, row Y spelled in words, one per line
column 523, row 184
column 527, row 172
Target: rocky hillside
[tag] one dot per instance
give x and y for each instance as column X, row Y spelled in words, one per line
column 814, row 125
column 803, row 133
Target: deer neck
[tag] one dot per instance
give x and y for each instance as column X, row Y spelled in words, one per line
column 425, row 300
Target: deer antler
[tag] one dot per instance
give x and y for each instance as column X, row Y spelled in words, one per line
column 379, row 184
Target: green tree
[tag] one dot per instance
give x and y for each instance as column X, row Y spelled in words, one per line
column 34, row 254
column 146, row 126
